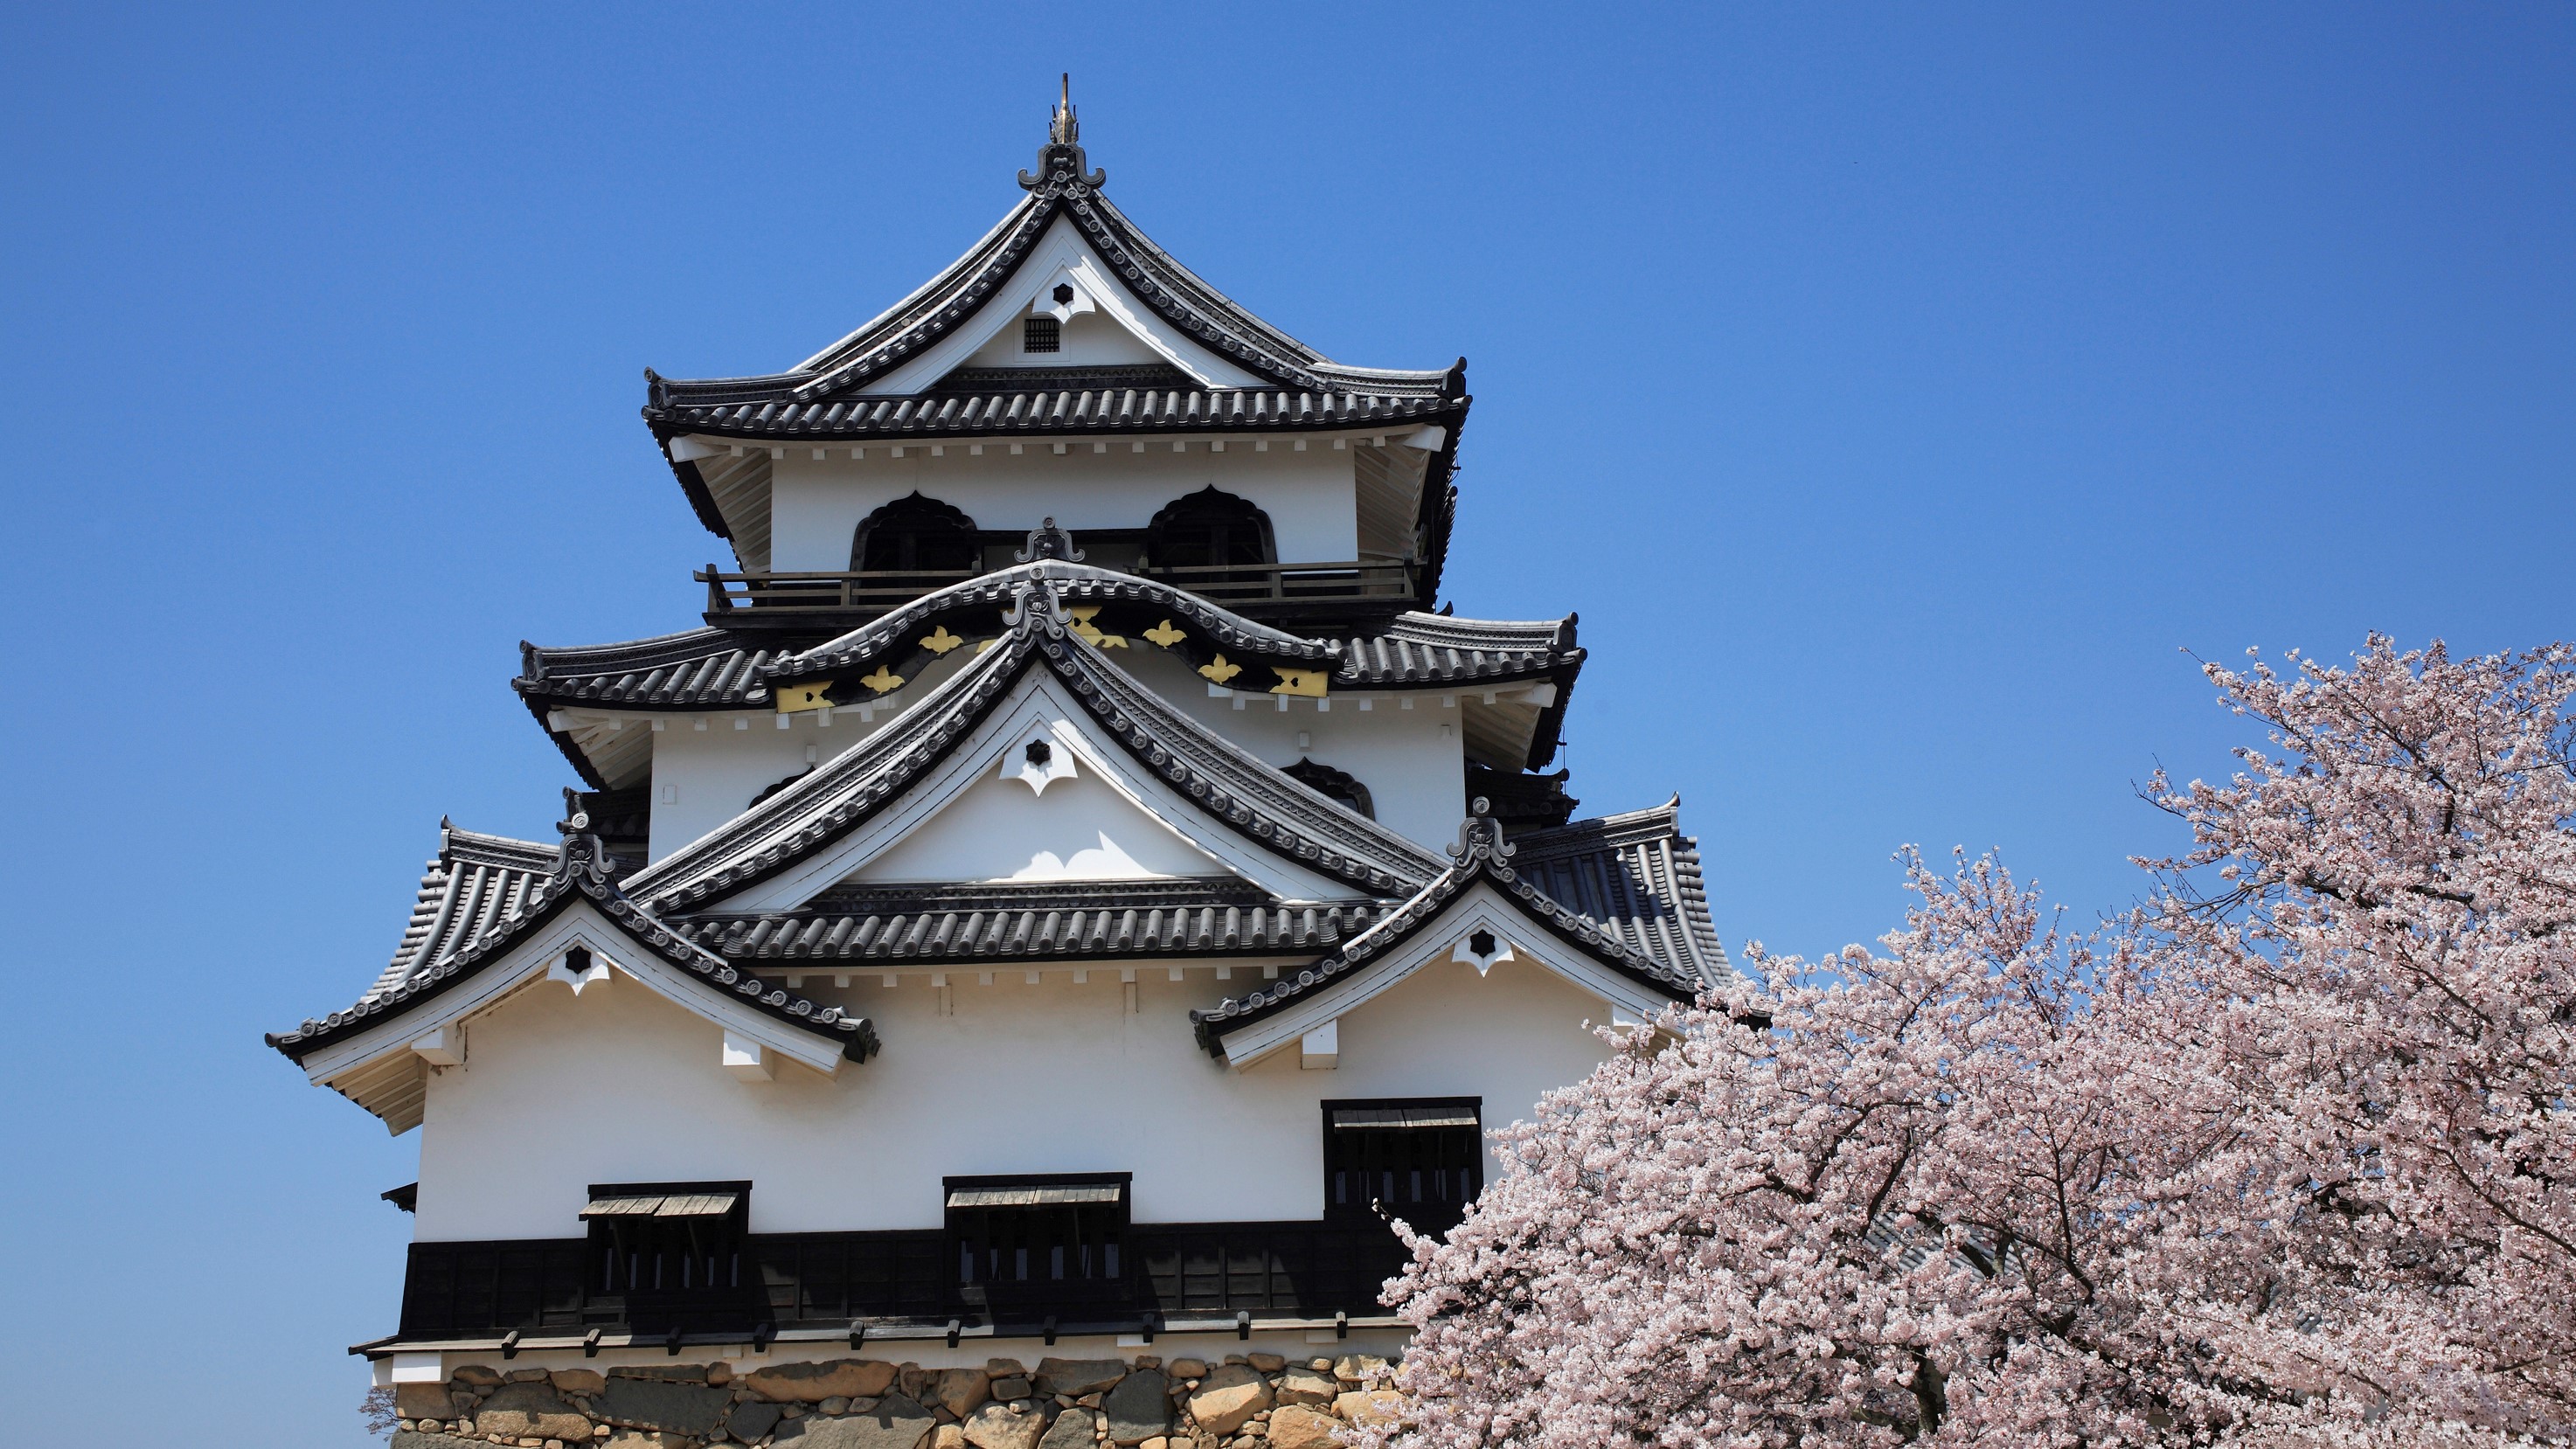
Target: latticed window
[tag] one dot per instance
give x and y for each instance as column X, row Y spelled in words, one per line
column 1422, row 1159
column 1041, row 334
column 1048, row 1233
column 667, row 1237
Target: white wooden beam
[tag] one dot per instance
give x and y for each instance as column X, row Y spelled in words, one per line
column 444, row 1047
column 747, row 1060
column 1320, row 1050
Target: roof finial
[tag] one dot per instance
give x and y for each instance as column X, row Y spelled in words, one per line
column 1062, row 170
column 1065, row 130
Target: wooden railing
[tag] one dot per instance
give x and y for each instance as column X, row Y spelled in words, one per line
column 1168, row 1271
column 1238, row 585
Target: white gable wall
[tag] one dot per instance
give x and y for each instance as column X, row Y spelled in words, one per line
column 619, row 1086
column 816, row 504
column 999, row 829
column 1061, row 257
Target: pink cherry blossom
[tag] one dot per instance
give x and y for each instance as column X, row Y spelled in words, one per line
column 2285, row 1157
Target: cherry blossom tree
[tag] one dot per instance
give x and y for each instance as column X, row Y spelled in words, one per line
column 2282, row 1158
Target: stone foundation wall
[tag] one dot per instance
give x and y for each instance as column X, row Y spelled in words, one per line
column 1143, row 1402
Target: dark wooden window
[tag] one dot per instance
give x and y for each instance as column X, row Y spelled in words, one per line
column 1041, row 334
column 1049, row 1237
column 1209, row 529
column 1420, row 1159
column 655, row 1238
column 915, row 534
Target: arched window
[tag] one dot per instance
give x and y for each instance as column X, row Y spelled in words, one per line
column 1209, row 529
column 1333, row 784
column 914, row 534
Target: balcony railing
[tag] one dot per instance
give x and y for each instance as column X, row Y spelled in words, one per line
column 1253, row 587
column 1168, row 1272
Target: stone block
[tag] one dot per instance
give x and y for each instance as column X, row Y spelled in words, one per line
column 639, row 1403
column 1189, row 1368
column 1299, row 1427
column 1013, row 1388
column 948, row 1436
column 415, row 1439
column 1269, row 1363
column 422, row 1401
column 1377, row 1406
column 1072, row 1430
column 529, row 1410
column 961, row 1390
column 1226, row 1399
column 1005, row 1368
column 476, row 1376
column 812, row 1383
column 1305, row 1386
column 1079, row 1375
column 1359, row 1368
column 750, row 1420
column 999, row 1426
column 1140, row 1408
column 895, row 1423
column 578, row 1381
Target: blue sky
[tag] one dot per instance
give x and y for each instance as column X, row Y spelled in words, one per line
column 1896, row 392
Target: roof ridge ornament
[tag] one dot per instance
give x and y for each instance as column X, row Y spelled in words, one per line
column 1035, row 607
column 581, row 853
column 1048, row 541
column 1063, row 170
column 1480, row 836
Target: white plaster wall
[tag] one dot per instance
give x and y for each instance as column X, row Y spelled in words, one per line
column 1412, row 760
column 815, row 505
column 619, row 1085
column 1078, row 829
column 703, row 778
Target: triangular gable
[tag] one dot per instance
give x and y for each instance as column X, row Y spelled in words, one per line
column 1480, row 896
column 371, row 1052
column 1039, row 708
column 1060, row 258
column 1167, row 762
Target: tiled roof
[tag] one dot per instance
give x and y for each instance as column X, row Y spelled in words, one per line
column 1090, row 920
column 1247, row 795
column 1482, row 856
column 1420, row 648
column 700, row 668
column 1049, row 412
column 953, row 298
column 1636, row 876
column 580, row 873
column 709, row 669
column 1522, row 801
column 474, row 883
column 821, row 397
column 1076, row 584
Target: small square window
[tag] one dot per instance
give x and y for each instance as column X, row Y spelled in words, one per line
column 1041, row 334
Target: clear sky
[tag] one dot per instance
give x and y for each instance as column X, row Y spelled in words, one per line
column 1894, row 391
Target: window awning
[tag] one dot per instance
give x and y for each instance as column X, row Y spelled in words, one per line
column 662, row 1205
column 1036, row 1195
column 1349, row 1117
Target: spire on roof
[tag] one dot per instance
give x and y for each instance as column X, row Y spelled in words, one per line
column 1062, row 169
column 1065, row 130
